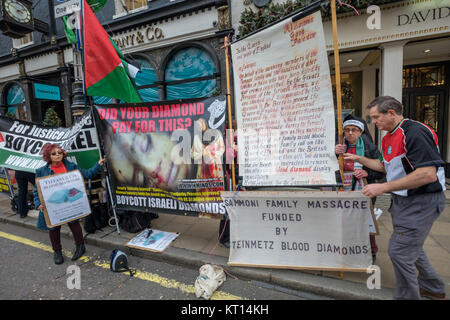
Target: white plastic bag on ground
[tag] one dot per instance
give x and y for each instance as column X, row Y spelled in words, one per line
column 210, row 278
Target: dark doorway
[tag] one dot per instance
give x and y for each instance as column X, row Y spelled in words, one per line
column 425, row 98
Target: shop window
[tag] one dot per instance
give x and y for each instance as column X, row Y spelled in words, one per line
column 425, row 76
column 190, row 74
column 24, row 41
column 14, row 98
column 351, row 93
column 124, row 7
column 426, row 110
column 146, row 82
column 102, row 100
column 135, row 4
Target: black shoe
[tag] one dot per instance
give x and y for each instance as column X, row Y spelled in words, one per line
column 79, row 251
column 58, row 257
column 22, row 216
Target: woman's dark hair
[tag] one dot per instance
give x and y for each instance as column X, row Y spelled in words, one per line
column 47, row 149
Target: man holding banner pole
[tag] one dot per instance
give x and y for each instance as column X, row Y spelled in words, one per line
column 416, row 179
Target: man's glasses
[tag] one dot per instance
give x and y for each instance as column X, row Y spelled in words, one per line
column 56, row 153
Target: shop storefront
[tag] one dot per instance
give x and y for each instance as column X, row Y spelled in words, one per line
column 180, row 57
column 179, row 47
column 401, row 50
column 38, row 82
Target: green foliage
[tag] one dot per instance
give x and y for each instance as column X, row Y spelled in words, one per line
column 51, row 118
column 216, row 92
column 251, row 21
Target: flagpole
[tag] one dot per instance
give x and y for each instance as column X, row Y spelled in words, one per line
column 337, row 69
column 82, row 55
column 108, row 183
column 102, row 152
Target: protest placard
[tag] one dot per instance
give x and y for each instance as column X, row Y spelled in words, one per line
column 166, row 156
column 64, row 197
column 152, row 240
column 284, row 105
column 299, row 230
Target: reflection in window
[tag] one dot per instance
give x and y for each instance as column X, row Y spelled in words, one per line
column 351, row 93
column 102, row 100
column 417, row 77
column 427, row 110
column 197, row 67
column 135, row 4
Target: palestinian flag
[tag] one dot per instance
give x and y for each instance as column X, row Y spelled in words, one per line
column 132, row 68
column 105, row 74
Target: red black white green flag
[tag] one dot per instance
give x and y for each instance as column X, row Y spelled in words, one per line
column 105, row 73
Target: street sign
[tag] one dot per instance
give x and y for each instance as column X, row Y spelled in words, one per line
column 67, row 8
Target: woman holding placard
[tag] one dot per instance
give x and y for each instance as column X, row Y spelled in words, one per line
column 55, row 157
column 358, row 141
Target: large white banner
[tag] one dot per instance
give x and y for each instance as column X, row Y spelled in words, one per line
column 305, row 229
column 284, row 105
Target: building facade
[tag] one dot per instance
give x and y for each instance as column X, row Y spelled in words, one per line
column 177, row 43
column 399, row 49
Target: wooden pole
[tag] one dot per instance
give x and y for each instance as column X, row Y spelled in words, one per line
column 230, row 120
column 337, row 69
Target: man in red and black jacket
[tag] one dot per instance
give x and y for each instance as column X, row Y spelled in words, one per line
column 415, row 177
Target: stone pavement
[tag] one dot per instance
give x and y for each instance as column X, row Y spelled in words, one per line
column 197, row 244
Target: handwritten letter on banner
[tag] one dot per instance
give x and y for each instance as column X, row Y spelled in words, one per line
column 284, row 105
column 299, row 230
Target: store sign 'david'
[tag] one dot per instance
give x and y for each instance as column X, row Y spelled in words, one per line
column 146, row 35
column 424, row 16
column 391, row 22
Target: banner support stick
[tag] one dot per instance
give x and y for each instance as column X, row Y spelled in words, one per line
column 230, row 121
column 108, row 185
column 102, row 153
column 112, row 203
column 337, row 69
